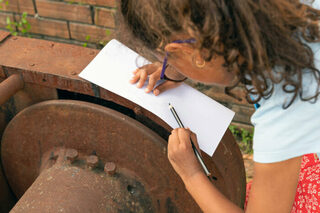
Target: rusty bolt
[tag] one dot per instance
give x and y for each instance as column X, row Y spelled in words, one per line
column 137, row 110
column 52, row 45
column 71, row 155
column 74, row 73
column 92, row 161
column 110, row 168
column 32, row 65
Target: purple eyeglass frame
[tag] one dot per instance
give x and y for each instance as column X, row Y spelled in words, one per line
column 165, row 61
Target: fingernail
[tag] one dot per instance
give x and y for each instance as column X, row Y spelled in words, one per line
column 156, row 92
column 147, row 90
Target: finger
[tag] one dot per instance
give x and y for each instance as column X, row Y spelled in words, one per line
column 150, row 68
column 135, row 71
column 195, row 141
column 184, row 137
column 143, row 78
column 135, row 78
column 173, row 141
column 165, row 86
column 153, row 78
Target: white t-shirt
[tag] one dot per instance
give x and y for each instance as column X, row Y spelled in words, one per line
column 281, row 134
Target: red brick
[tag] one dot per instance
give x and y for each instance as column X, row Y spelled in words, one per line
column 19, row 6
column 48, row 27
column 97, row 34
column 104, row 17
column 3, row 19
column 61, row 10
column 108, row 3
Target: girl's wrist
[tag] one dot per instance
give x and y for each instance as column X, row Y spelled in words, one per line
column 195, row 179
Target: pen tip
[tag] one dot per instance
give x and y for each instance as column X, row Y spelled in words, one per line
column 170, row 106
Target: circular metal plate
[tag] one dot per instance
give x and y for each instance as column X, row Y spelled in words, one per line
column 91, row 128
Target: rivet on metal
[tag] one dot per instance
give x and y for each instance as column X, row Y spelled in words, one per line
column 110, row 168
column 72, row 155
column 137, row 110
column 92, row 161
column 32, row 65
column 74, row 73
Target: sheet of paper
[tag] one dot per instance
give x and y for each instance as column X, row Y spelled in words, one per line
column 112, row 69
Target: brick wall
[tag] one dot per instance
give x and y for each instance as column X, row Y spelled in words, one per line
column 92, row 23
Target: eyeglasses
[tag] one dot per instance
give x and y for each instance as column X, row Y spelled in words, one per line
column 165, row 61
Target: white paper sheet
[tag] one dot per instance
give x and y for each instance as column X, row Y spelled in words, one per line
column 112, row 69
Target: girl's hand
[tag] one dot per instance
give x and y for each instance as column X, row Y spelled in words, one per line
column 181, row 155
column 153, row 71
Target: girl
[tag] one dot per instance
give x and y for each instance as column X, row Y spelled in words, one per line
column 270, row 47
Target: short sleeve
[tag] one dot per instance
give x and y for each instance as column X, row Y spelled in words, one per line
column 281, row 134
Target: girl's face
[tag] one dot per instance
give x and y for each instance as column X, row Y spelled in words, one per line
column 188, row 61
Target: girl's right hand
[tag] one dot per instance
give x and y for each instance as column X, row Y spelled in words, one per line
column 153, row 71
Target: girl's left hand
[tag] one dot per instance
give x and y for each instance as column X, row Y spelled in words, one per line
column 181, row 155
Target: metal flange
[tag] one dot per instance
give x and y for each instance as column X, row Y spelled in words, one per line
column 139, row 154
column 33, row 140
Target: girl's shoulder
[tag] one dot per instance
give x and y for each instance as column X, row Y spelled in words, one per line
column 281, row 134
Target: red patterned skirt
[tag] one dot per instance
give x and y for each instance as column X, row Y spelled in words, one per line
column 307, row 198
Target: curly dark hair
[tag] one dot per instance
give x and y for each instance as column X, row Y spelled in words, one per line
column 256, row 36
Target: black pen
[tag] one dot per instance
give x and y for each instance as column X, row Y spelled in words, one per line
column 205, row 169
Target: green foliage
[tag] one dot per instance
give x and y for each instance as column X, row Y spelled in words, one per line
column 22, row 25
column 244, row 138
column 103, row 43
column 108, row 32
column 6, row 2
column 87, row 40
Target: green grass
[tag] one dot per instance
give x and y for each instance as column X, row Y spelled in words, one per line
column 244, row 138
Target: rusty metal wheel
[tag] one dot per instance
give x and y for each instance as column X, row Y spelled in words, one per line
column 82, row 157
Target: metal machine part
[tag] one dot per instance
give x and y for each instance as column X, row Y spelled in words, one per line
column 48, row 146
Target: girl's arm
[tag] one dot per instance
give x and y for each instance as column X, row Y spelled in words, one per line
column 273, row 188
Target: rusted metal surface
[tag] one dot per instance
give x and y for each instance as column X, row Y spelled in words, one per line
column 72, row 155
column 2, row 74
column 57, row 67
column 91, row 128
column 9, row 87
column 92, row 161
column 7, row 200
column 73, row 188
column 229, row 162
column 110, row 168
column 113, row 136
column 3, row 35
column 47, row 66
column 25, row 97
